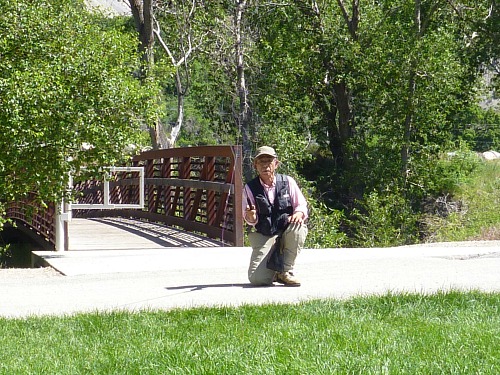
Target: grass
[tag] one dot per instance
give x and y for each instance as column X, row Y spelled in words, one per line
column 479, row 217
column 483, row 197
column 445, row 333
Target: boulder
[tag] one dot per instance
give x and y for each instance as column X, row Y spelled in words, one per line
column 491, row 155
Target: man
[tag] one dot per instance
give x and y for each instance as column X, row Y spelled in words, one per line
column 273, row 206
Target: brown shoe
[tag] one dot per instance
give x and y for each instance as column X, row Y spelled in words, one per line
column 287, row 278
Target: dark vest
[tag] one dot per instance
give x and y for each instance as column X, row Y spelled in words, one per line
column 272, row 217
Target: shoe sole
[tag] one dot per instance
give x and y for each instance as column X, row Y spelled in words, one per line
column 287, row 284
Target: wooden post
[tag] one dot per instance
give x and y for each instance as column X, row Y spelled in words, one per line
column 238, row 195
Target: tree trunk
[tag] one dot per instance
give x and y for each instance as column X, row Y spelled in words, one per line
column 336, row 98
column 412, row 86
column 244, row 113
column 407, row 129
column 180, row 111
column 142, row 12
column 343, row 124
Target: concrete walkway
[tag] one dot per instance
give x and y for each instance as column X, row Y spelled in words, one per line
column 167, row 278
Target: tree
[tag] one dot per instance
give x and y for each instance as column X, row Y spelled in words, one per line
column 142, row 12
column 178, row 28
column 243, row 118
column 67, row 95
column 225, row 59
column 187, row 29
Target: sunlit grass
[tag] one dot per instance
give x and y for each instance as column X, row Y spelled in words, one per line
column 446, row 333
column 479, row 216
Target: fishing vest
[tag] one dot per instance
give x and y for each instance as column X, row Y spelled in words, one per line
column 273, row 218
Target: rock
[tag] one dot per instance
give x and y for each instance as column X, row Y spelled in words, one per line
column 491, row 155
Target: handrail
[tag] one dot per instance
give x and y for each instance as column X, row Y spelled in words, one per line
column 106, row 204
column 38, row 219
column 198, row 189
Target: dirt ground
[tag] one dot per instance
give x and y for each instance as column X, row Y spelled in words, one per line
column 28, row 273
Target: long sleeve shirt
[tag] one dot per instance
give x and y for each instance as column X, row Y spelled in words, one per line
column 298, row 200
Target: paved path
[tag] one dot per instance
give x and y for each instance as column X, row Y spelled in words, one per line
column 166, row 278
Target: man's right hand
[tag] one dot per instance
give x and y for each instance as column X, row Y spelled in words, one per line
column 251, row 214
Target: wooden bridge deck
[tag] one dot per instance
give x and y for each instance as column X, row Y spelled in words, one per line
column 116, row 233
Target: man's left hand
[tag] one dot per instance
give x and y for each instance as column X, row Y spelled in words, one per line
column 297, row 217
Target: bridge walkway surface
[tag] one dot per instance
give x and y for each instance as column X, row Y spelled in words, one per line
column 114, row 244
column 110, row 268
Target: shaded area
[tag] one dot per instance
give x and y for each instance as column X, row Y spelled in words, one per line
column 15, row 248
column 160, row 233
column 192, row 288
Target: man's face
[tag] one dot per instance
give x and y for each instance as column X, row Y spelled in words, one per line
column 266, row 165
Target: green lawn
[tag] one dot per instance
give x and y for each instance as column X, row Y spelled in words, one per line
column 446, row 333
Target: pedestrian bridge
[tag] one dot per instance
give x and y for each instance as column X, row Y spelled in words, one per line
column 182, row 197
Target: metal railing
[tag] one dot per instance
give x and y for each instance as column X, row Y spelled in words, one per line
column 107, row 201
column 38, row 219
column 198, row 189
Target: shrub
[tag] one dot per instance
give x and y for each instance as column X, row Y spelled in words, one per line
column 447, row 172
column 479, row 215
column 325, row 227
column 384, row 219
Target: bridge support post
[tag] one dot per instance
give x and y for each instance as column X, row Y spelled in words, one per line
column 61, row 227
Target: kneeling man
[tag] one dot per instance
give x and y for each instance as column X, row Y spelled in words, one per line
column 274, row 206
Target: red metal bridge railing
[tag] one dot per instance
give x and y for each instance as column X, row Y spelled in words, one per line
column 198, row 189
column 38, row 219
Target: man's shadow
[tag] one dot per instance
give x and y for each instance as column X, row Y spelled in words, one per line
column 192, row 288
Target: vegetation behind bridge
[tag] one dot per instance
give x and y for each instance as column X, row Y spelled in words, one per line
column 376, row 108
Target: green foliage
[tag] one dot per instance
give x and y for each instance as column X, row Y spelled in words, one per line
column 485, row 42
column 445, row 174
column 325, row 227
column 452, row 333
column 434, row 207
column 480, row 128
column 395, row 77
column 194, row 71
column 65, row 81
column 385, row 219
column 402, row 58
column 477, row 216
column 5, row 254
column 208, row 113
column 291, row 146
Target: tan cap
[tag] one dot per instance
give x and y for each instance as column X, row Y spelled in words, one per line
column 265, row 150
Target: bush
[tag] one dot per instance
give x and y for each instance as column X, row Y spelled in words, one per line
column 444, row 174
column 384, row 219
column 325, row 227
column 478, row 217
column 480, row 128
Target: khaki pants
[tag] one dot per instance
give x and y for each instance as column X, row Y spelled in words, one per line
column 293, row 241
